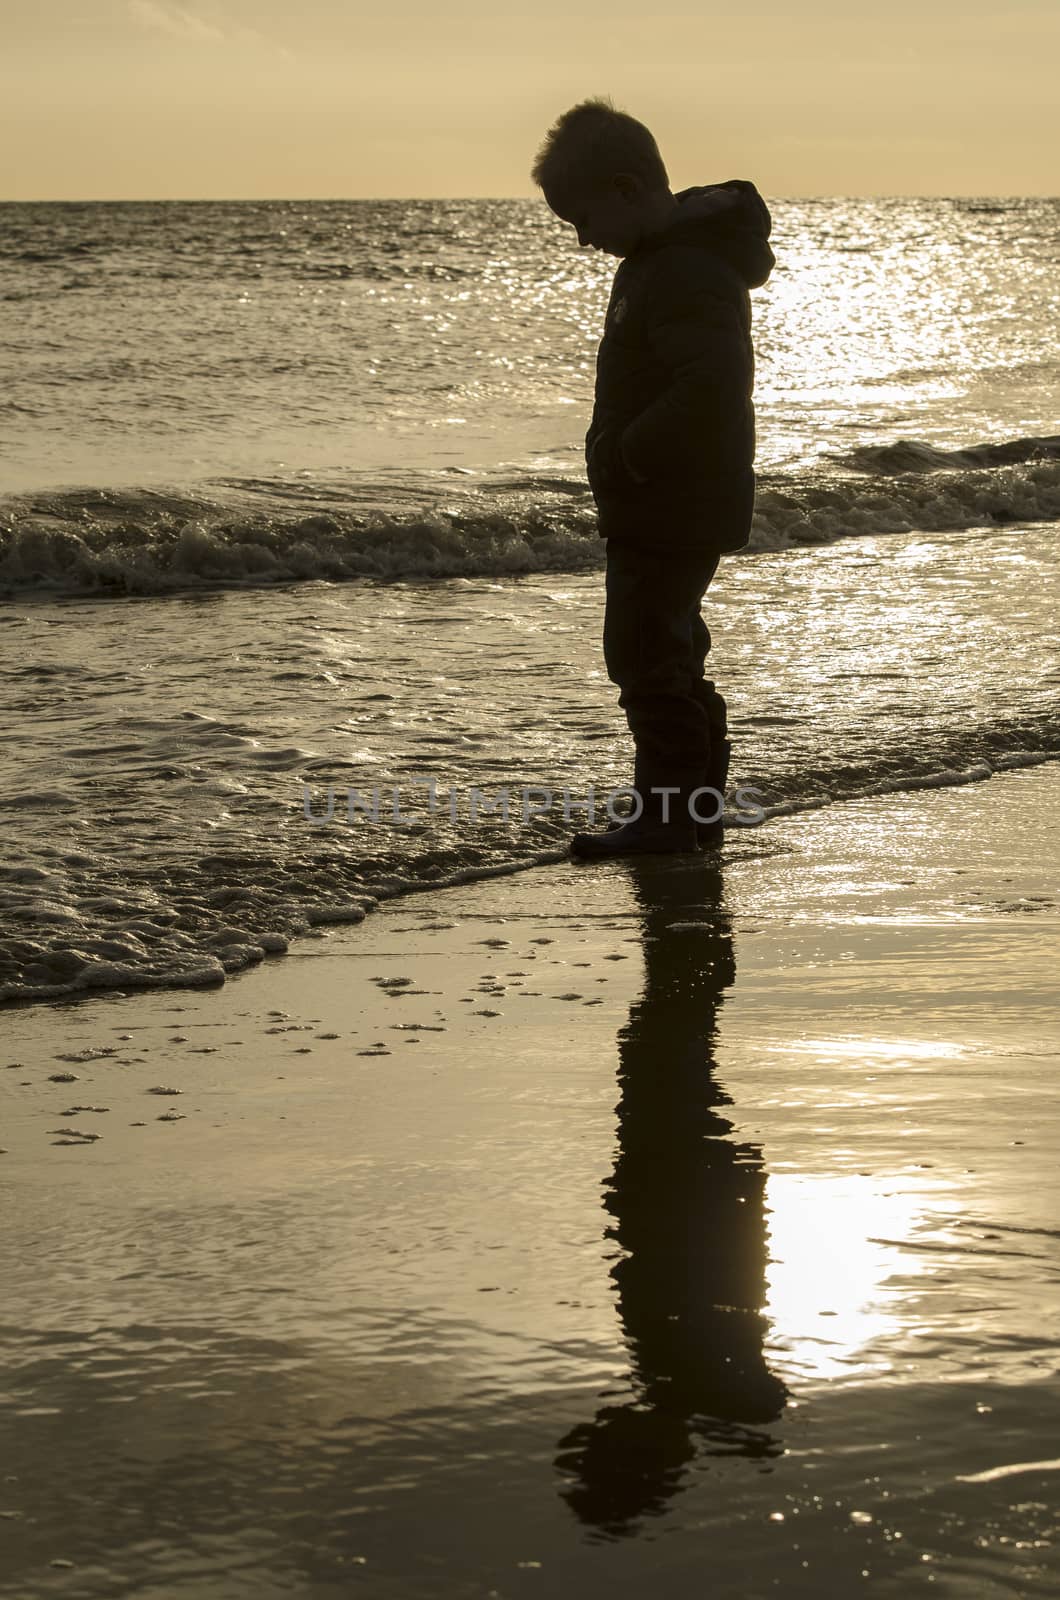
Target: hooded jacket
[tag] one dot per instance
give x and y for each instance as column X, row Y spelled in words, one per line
column 671, row 444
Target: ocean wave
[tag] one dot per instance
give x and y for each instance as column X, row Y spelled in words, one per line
column 912, row 455
column 150, row 542
column 822, row 512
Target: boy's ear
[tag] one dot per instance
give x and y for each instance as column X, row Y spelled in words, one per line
column 628, row 185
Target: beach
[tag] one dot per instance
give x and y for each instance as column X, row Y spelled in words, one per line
column 393, row 1205
column 681, row 1223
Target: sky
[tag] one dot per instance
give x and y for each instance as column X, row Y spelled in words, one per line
column 330, row 99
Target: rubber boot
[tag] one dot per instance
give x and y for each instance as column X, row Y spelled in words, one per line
column 651, row 804
column 710, row 834
column 648, row 833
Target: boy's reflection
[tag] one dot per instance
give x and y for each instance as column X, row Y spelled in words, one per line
column 688, row 1212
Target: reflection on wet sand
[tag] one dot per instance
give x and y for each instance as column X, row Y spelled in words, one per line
column 687, row 1203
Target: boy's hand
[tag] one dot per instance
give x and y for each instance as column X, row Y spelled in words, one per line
column 607, row 465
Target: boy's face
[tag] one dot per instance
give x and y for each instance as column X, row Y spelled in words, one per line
column 606, row 216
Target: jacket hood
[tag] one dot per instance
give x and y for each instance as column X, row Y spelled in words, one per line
column 729, row 218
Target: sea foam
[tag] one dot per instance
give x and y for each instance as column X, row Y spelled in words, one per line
column 143, row 542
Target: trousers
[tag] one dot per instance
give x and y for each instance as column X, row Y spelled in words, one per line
column 655, row 649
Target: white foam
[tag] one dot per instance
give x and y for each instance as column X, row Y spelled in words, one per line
column 154, row 954
column 153, row 550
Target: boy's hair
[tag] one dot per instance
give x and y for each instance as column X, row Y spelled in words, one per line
column 590, row 143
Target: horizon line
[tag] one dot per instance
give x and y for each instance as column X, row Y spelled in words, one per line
column 133, row 200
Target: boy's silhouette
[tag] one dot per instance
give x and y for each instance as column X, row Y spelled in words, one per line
column 670, row 447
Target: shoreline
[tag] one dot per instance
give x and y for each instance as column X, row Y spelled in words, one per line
column 213, row 973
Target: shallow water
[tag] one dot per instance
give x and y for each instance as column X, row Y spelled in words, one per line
column 162, row 755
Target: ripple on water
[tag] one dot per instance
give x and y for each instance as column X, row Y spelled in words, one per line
column 197, row 857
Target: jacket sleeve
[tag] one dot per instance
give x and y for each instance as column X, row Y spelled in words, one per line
column 696, row 337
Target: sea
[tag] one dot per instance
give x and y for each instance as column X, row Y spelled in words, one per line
column 300, row 578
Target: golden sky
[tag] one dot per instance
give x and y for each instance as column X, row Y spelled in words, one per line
column 205, row 99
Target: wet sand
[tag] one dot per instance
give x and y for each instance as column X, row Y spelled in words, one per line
column 664, row 1227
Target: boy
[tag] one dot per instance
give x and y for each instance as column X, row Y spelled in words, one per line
column 670, row 446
